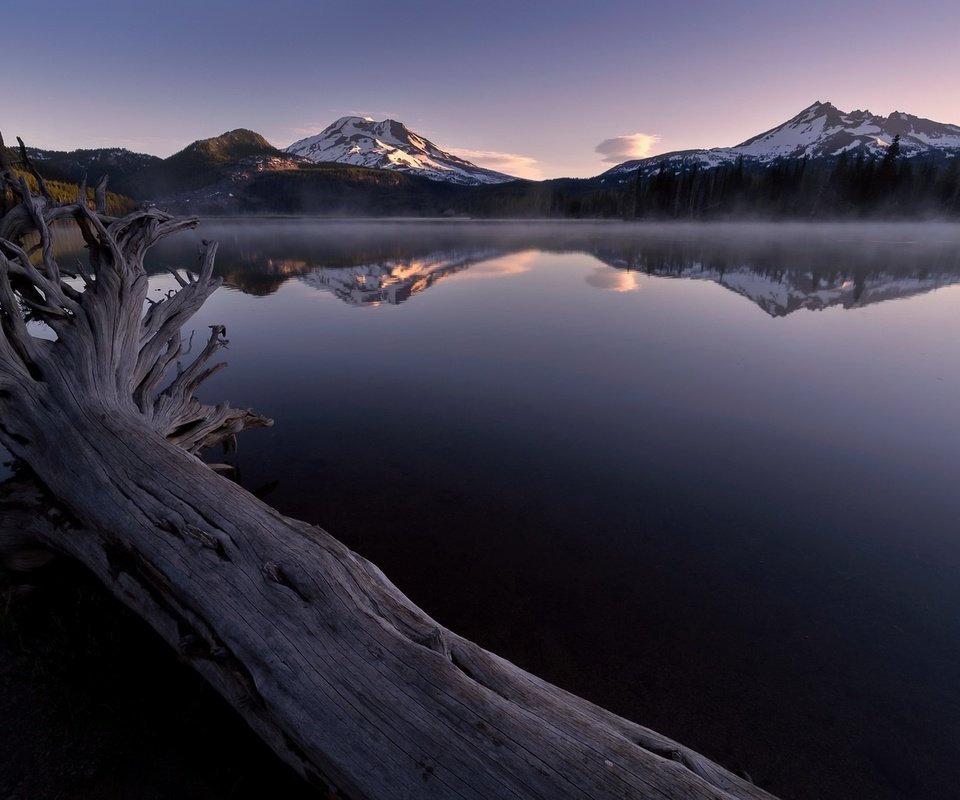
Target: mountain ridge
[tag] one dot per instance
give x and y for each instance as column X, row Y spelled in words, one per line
column 821, row 131
column 798, row 168
column 72, row 166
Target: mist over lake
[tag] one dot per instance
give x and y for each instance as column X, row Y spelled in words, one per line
column 704, row 476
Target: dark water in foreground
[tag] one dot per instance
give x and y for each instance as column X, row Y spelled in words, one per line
column 706, row 477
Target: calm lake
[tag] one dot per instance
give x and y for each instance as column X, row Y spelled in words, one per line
column 704, row 476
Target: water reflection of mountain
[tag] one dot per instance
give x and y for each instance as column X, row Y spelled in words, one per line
column 254, row 272
column 782, row 281
column 781, row 268
column 780, row 292
column 390, row 282
column 795, row 291
column 354, row 261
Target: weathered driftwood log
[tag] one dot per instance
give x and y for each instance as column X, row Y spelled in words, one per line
column 336, row 669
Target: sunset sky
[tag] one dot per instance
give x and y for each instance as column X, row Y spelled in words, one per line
column 537, row 89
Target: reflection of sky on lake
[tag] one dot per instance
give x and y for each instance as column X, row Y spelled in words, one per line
column 734, row 522
column 512, row 264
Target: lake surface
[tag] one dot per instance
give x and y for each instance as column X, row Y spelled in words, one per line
column 706, row 476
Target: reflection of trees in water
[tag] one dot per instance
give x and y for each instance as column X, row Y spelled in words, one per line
column 778, row 278
column 780, row 267
column 260, row 260
column 67, row 244
column 782, row 277
column 365, row 278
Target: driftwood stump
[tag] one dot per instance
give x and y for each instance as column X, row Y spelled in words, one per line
column 347, row 680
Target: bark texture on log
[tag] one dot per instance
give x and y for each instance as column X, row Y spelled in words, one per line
column 332, row 665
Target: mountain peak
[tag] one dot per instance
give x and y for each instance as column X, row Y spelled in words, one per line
column 206, row 161
column 817, row 109
column 389, row 144
column 242, row 133
column 351, row 119
column 230, row 146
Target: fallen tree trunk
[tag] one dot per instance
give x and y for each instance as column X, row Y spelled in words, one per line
column 347, row 680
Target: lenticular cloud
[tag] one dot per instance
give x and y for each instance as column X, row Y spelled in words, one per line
column 624, row 148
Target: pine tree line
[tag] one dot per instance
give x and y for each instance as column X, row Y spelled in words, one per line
column 849, row 187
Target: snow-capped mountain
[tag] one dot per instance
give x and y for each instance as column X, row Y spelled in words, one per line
column 389, row 144
column 820, row 131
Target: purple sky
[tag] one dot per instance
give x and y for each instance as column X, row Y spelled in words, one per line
column 525, row 86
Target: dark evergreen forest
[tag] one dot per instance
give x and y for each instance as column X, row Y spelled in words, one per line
column 847, row 188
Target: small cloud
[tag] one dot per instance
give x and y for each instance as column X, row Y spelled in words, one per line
column 625, row 148
column 510, row 163
column 613, row 280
